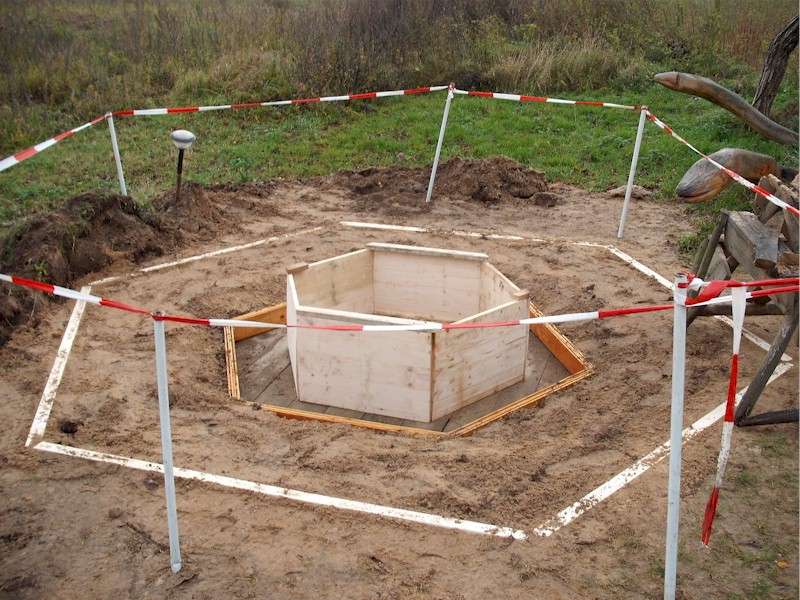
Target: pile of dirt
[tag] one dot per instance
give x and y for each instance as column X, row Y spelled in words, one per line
column 95, row 229
column 488, row 181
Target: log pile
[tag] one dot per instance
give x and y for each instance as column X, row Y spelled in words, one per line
column 764, row 245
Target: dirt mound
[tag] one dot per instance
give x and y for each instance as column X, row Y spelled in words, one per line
column 95, row 229
column 488, row 181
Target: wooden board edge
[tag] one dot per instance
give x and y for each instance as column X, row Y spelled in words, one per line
column 428, row 251
column 533, row 398
column 270, row 314
column 292, row 413
column 558, row 344
column 231, row 366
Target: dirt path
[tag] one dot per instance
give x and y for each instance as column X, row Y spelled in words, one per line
column 71, row 528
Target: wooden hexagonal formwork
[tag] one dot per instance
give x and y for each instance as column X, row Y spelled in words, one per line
column 401, row 380
column 408, row 375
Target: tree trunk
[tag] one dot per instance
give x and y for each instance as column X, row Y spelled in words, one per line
column 775, row 66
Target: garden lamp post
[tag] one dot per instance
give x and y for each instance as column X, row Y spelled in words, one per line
column 182, row 139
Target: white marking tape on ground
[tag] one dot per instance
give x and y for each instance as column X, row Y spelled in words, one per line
column 297, row 495
column 213, row 253
column 619, row 481
column 54, row 380
column 640, row 267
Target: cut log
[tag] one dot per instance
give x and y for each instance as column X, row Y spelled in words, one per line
column 749, row 241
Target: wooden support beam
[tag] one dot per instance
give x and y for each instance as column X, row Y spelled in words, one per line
column 701, row 267
column 296, row 268
column 776, row 350
column 749, row 241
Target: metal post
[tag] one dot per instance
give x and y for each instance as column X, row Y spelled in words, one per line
column 636, row 145
column 676, row 435
column 450, row 95
column 180, row 173
column 123, row 189
column 166, row 444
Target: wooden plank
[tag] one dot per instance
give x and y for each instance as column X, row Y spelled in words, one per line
column 473, row 363
column 291, row 332
column 271, row 314
column 231, row 368
column 364, row 372
column 558, row 344
column 750, row 241
column 426, row 287
column 521, row 403
column 343, row 283
column 330, row 418
column 425, row 251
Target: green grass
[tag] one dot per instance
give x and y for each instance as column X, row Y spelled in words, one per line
column 589, row 147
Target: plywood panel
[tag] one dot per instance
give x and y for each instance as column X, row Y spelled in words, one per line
column 291, row 333
column 496, row 288
column 473, row 363
column 362, row 372
column 342, row 283
column 426, row 287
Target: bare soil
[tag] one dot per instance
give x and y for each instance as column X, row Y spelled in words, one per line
column 71, row 528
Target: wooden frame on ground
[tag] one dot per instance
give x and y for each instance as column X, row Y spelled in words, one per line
column 549, row 335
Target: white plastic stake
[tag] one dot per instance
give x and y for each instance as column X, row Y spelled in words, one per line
column 450, row 95
column 636, row 146
column 123, row 189
column 675, row 439
column 166, row 444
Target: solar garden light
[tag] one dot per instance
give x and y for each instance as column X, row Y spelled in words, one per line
column 182, row 139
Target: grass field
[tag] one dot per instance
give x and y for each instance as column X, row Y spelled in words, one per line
column 71, row 61
column 589, row 147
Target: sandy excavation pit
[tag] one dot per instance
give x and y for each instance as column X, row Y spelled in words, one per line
column 518, row 471
column 114, row 407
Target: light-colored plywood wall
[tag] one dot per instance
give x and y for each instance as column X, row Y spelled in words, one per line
column 291, row 333
column 496, row 288
column 471, row 364
column 433, row 288
column 380, row 373
column 342, row 283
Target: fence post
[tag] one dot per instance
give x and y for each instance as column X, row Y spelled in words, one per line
column 447, row 102
column 123, row 189
column 676, row 435
column 166, row 442
column 629, row 188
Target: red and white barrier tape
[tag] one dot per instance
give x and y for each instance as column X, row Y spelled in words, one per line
column 776, row 286
column 545, row 99
column 18, row 157
column 739, row 297
column 63, row 292
column 364, row 96
column 732, row 174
